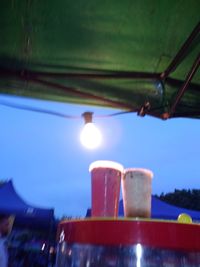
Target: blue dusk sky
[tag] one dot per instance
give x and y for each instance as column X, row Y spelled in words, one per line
column 48, row 165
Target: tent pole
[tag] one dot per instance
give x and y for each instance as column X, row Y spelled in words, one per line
column 74, row 91
column 26, row 74
column 177, row 59
column 49, row 241
column 184, row 87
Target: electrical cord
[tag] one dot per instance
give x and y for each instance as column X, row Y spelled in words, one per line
column 55, row 113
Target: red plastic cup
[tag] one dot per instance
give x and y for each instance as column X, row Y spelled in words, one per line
column 105, row 182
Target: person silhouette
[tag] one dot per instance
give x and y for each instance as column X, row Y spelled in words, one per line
column 4, row 231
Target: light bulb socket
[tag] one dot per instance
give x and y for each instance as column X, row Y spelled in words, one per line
column 87, row 116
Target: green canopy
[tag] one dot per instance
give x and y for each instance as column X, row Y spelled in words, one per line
column 133, row 55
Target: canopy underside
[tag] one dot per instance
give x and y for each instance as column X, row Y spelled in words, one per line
column 141, row 56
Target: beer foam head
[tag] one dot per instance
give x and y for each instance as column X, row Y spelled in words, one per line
column 106, row 164
column 139, row 170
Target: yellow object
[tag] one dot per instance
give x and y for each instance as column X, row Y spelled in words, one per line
column 184, row 218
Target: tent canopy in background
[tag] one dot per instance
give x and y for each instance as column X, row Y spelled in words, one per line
column 26, row 215
column 140, row 56
column 162, row 210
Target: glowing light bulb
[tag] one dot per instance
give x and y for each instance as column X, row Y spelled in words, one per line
column 90, row 136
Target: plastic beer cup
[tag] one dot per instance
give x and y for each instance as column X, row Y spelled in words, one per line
column 105, row 183
column 136, row 192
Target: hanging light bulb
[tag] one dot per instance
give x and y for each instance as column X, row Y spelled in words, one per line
column 90, row 136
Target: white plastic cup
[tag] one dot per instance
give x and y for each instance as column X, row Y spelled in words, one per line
column 105, row 182
column 136, row 192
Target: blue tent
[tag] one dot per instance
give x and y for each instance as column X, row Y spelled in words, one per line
column 162, row 210
column 26, row 215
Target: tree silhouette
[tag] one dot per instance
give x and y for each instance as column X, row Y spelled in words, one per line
column 189, row 199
